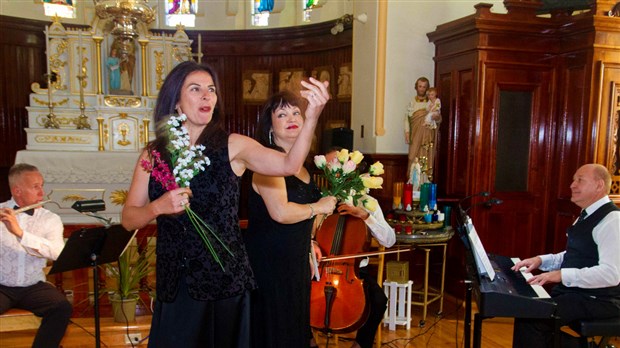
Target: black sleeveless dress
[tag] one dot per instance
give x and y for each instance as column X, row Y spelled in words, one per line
column 191, row 286
column 279, row 257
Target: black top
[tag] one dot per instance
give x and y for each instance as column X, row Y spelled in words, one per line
column 582, row 251
column 279, row 254
column 181, row 251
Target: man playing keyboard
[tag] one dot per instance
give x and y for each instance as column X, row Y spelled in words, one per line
column 587, row 273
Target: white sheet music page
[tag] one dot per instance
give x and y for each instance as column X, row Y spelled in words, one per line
column 540, row 291
column 482, row 259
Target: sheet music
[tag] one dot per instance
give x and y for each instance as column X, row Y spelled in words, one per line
column 540, row 291
column 482, row 259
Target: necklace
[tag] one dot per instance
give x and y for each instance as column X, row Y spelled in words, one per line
column 420, row 99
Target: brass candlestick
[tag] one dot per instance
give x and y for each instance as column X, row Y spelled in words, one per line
column 51, row 121
column 82, row 122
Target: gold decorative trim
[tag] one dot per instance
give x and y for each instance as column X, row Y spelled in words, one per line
column 61, row 139
column 62, row 121
column 119, row 102
column 54, row 104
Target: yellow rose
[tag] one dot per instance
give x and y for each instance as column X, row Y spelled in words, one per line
column 376, row 169
column 343, row 155
column 357, row 157
column 370, row 203
column 372, row 182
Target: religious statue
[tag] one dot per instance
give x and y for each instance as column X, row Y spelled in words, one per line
column 113, row 64
column 415, row 174
column 127, row 65
column 420, row 135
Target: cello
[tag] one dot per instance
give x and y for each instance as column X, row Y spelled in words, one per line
column 338, row 298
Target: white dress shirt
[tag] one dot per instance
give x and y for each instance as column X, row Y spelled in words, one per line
column 22, row 261
column 606, row 235
column 380, row 229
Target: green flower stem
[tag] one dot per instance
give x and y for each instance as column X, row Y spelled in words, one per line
column 202, row 228
column 204, row 237
column 210, row 229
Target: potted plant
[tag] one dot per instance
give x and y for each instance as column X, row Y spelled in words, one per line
column 132, row 266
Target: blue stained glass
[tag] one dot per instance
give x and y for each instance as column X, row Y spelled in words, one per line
column 265, row 6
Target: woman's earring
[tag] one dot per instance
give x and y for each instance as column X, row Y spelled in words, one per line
column 270, row 137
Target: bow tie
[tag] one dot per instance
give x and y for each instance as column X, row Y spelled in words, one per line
column 29, row 211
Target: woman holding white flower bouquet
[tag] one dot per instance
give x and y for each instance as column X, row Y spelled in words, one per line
column 281, row 216
column 203, row 273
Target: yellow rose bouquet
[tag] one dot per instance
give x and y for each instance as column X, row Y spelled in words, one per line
column 344, row 180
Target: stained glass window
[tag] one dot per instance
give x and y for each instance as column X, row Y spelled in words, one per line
column 260, row 12
column 60, row 8
column 181, row 12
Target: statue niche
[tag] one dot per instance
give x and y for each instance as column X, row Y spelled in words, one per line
column 121, row 64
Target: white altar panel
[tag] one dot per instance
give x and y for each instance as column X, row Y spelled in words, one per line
column 84, row 135
column 78, row 175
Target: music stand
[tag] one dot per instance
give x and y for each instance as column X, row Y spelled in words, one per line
column 90, row 248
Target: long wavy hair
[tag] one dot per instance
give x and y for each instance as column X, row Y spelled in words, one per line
column 284, row 98
column 213, row 136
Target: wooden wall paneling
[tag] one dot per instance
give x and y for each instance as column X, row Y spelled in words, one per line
column 606, row 146
column 395, row 171
column 570, row 150
column 22, row 56
column 456, row 132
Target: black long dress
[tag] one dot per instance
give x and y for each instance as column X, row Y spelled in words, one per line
column 198, row 304
column 279, row 254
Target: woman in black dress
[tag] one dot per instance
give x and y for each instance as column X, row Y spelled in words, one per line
column 281, row 216
column 199, row 303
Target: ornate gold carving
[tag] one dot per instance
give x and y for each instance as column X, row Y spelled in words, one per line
column 123, row 129
column 56, row 64
column 159, row 68
column 62, row 121
column 54, row 104
column 73, row 198
column 83, row 77
column 118, row 197
column 120, row 102
column 61, row 139
column 180, row 54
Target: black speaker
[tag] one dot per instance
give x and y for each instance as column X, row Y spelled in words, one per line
column 337, row 137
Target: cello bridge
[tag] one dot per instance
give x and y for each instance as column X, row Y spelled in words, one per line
column 333, row 270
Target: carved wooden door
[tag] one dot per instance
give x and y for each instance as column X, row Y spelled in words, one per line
column 516, row 141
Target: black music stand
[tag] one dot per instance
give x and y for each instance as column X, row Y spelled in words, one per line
column 90, row 248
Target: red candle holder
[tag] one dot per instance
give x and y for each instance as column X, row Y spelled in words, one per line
column 408, row 196
column 398, row 229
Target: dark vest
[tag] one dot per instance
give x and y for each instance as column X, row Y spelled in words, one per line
column 582, row 251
